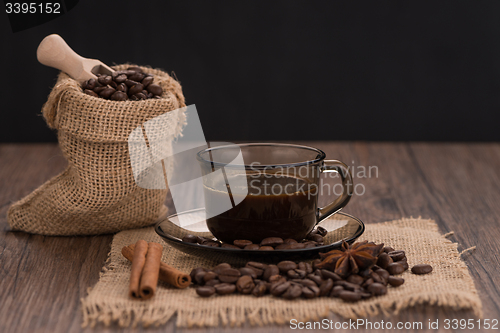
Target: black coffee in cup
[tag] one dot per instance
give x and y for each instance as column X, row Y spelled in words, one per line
column 259, row 190
column 276, row 206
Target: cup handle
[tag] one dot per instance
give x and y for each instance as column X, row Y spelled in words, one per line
column 347, row 188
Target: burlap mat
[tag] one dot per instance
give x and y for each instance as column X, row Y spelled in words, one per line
column 449, row 285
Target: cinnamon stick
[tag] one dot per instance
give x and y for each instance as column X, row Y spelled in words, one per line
column 167, row 274
column 138, row 258
column 151, row 271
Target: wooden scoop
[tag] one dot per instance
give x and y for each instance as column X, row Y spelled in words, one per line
column 54, row 52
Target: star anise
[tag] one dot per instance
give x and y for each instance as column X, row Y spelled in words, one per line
column 351, row 258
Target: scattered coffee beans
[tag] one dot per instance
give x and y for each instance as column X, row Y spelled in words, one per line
column 132, row 84
column 314, row 239
column 291, row 280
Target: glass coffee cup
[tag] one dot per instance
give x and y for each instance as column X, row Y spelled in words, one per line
column 259, row 190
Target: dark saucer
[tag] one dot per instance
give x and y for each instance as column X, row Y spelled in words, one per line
column 172, row 228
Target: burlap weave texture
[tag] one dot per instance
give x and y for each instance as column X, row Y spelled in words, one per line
column 449, row 285
column 97, row 192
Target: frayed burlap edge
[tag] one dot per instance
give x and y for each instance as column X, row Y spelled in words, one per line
column 143, row 313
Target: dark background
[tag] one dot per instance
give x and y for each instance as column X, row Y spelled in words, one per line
column 285, row 70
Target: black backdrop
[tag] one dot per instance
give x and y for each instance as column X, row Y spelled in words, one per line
column 285, row 70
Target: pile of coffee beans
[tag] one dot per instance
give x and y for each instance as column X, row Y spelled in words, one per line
column 131, row 84
column 313, row 239
column 291, row 280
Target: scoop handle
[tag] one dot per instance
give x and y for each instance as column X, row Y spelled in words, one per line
column 54, row 52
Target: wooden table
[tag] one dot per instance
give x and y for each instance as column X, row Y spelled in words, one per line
column 42, row 279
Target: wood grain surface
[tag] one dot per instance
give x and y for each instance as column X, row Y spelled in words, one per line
column 42, row 279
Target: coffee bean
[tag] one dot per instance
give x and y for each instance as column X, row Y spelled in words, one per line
column 220, row 267
column 277, row 278
column 367, row 282
column 271, row 241
column 270, row 271
column 397, row 255
column 224, row 288
column 259, row 289
column 141, row 96
column 317, row 238
column 212, row 283
column 229, row 275
column 295, row 246
column 241, row 243
column 229, row 246
column 201, row 239
column 196, row 271
column 266, row 248
column 189, row 239
column 279, row 288
column 147, row 81
column 377, row 278
column 99, row 89
column 349, row 296
column 403, row 263
column 317, row 279
column 384, row 260
column 388, row 249
column 209, row 276
column 107, row 92
column 90, row 93
column 395, row 269
column 155, row 89
column 296, row 274
column 248, row 271
column 306, row 282
column 326, row 274
column 199, row 277
column 325, row 287
column 377, row 289
column 251, row 247
column 365, row 295
column 383, row 274
column 130, row 83
column 292, row 292
column 105, row 80
column 245, row 284
column 258, row 267
column 136, row 77
column 356, row 279
column 307, row 293
column 91, row 84
column 348, row 286
column 289, row 241
column 310, row 245
column 129, row 72
column 421, row 269
column 205, row 291
column 283, row 247
column 365, row 273
column 395, row 281
column 210, row 243
column 336, row 290
column 309, row 268
column 135, row 89
column 119, row 96
column 321, row 231
column 121, row 78
column 286, row 265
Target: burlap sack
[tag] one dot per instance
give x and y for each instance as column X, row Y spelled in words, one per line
column 97, row 192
